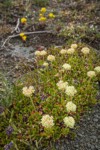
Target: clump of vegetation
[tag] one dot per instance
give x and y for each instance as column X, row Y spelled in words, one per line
column 49, row 101
column 6, row 3
column 79, row 31
column 6, row 91
column 42, row 20
column 41, row 2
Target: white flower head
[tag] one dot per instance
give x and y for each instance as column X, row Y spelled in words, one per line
column 91, row 74
column 97, row 69
column 37, row 53
column 71, row 107
column 62, row 85
column 70, row 51
column 51, row 58
column 74, row 46
column 69, row 122
column 70, row 90
column 63, row 51
column 47, row 121
column 28, row 91
column 43, row 53
column 67, row 66
column 45, row 64
column 85, row 50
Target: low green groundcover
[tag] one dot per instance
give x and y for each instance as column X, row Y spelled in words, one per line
column 48, row 102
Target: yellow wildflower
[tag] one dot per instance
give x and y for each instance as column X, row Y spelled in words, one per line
column 23, row 20
column 51, row 15
column 43, row 10
column 41, row 15
column 42, row 19
column 24, row 38
column 22, row 34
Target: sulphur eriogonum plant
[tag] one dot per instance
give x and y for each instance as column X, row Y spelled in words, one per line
column 49, row 101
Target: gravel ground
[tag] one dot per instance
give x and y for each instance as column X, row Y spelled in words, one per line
column 87, row 136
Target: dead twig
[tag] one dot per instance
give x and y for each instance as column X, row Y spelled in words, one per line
column 26, row 33
column 17, row 27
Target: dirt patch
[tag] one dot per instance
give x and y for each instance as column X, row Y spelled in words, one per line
column 18, row 58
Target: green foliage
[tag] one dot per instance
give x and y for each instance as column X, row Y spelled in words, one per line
column 59, row 1
column 41, row 3
column 7, row 3
column 79, row 32
column 6, row 91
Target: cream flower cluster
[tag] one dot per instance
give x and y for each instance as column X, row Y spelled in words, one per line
column 47, row 121
column 41, row 53
column 67, row 66
column 62, row 85
column 37, row 53
column 63, row 51
column 71, row 107
column 74, row 46
column 70, row 51
column 97, row 69
column 70, row 90
column 51, row 58
column 69, row 122
column 45, row 64
column 85, row 50
column 28, row 91
column 91, row 74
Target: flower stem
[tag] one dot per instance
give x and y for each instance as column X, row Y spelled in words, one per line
column 32, row 102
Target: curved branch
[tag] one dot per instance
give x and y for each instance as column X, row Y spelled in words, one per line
column 26, row 33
